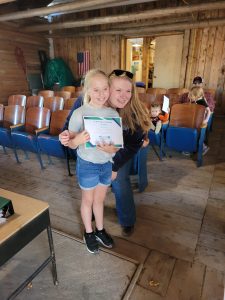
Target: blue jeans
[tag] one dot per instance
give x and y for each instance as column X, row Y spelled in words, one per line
column 140, row 168
column 121, row 187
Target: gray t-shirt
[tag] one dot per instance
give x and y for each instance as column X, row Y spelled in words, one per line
column 76, row 124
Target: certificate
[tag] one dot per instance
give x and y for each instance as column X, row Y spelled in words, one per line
column 166, row 104
column 103, row 130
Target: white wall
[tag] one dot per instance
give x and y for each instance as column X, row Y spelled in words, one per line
column 167, row 64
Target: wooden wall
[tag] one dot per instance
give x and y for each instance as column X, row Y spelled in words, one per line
column 105, row 51
column 206, row 58
column 12, row 77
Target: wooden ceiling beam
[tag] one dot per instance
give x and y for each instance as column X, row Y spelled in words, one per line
column 148, row 30
column 60, row 8
column 153, row 13
column 6, row 1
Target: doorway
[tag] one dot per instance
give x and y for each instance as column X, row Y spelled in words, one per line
column 155, row 61
column 134, row 57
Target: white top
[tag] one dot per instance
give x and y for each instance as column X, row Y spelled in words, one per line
column 76, row 124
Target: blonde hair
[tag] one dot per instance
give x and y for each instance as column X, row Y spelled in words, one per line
column 156, row 105
column 87, row 82
column 196, row 93
column 134, row 114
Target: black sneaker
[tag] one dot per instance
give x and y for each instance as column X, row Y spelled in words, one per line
column 127, row 230
column 104, row 238
column 91, row 242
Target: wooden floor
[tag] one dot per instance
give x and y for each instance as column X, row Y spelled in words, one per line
column 180, row 232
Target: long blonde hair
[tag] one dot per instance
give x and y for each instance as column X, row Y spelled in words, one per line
column 134, row 114
column 196, row 93
column 87, row 82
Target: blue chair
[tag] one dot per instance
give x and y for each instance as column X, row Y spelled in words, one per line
column 48, row 138
column 11, row 116
column 25, row 136
column 185, row 132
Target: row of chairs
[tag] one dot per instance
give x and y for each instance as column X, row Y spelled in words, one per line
column 183, row 132
column 53, row 103
column 156, row 94
column 163, row 91
column 66, row 92
column 35, row 130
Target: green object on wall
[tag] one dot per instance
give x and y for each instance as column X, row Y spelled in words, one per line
column 57, row 71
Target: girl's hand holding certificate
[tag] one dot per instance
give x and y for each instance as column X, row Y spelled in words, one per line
column 109, row 148
column 79, row 139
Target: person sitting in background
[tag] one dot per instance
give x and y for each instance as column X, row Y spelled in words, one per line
column 198, row 82
column 196, row 95
column 157, row 117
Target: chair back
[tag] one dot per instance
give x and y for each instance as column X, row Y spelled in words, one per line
column 46, row 93
column 69, row 88
column 54, row 103
column 78, row 92
column 17, row 100
column 147, row 99
column 34, row 101
column 36, row 118
column 140, row 90
column 13, row 115
column 1, row 112
column 58, row 120
column 178, row 91
column 210, row 91
column 187, row 115
column 69, row 103
column 64, row 94
column 156, row 91
column 174, row 99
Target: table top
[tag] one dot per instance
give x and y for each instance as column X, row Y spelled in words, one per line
column 26, row 209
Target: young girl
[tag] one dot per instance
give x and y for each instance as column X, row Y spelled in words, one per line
column 196, row 96
column 94, row 166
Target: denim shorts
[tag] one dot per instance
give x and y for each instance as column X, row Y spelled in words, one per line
column 89, row 174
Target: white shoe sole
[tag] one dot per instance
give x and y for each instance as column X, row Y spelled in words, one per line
column 100, row 241
column 92, row 252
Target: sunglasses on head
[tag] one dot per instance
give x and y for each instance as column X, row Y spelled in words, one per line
column 119, row 72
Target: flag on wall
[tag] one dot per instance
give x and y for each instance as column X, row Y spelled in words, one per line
column 83, row 60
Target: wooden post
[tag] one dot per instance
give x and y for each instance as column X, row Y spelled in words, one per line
column 184, row 58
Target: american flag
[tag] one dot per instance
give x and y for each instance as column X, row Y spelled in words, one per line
column 83, row 60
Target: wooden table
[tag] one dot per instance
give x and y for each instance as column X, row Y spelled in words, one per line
column 30, row 219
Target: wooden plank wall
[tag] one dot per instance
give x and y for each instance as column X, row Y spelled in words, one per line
column 105, row 51
column 206, row 58
column 12, row 77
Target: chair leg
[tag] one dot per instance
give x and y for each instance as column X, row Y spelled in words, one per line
column 153, row 147
column 68, row 162
column 200, row 146
column 26, row 154
column 50, row 160
column 4, row 149
column 68, row 166
column 16, row 155
column 40, row 160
